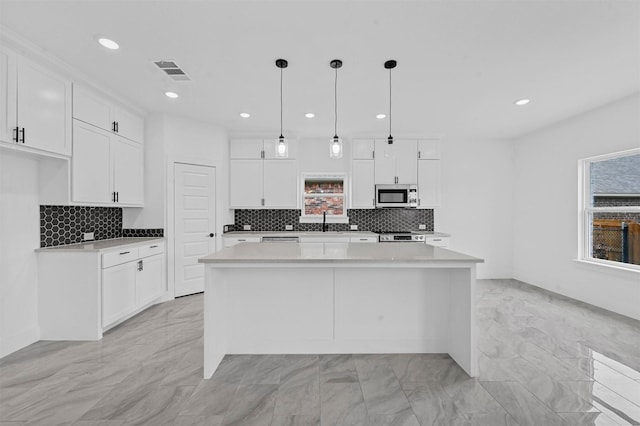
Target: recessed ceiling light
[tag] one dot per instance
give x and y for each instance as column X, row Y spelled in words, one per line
column 381, row 116
column 309, row 115
column 522, row 102
column 171, row 95
column 245, row 115
column 108, row 43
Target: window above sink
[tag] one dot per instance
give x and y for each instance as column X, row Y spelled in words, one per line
column 324, row 194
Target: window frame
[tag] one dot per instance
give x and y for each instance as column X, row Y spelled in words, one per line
column 309, row 218
column 586, row 212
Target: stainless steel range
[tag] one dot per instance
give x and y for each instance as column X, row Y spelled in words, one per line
column 400, row 237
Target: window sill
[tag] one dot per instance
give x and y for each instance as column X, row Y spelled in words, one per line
column 622, row 269
column 319, row 219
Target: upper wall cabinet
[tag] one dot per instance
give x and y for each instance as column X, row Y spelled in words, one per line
column 100, row 112
column 396, row 163
column 35, row 106
column 362, row 174
column 106, row 168
column 252, row 149
column 258, row 179
column 429, row 173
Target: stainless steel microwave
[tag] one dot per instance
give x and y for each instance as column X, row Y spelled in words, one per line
column 403, row 196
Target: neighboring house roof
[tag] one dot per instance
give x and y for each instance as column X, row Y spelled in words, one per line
column 616, row 176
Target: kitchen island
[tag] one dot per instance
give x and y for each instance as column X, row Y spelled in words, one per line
column 297, row 298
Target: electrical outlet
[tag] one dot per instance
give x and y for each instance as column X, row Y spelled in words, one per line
column 353, row 227
column 422, row 226
column 288, row 227
column 88, row 236
column 246, row 227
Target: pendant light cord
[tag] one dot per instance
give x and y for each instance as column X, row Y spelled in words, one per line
column 389, row 101
column 281, row 103
column 335, row 104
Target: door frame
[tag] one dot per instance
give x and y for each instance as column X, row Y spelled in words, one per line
column 171, row 227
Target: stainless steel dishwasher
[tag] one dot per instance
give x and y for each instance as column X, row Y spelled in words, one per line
column 281, row 239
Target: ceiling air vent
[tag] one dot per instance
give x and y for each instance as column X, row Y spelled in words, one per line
column 171, row 69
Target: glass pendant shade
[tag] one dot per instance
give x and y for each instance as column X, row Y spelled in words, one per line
column 282, row 147
column 335, row 147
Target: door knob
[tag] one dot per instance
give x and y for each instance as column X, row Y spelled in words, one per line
column 212, row 235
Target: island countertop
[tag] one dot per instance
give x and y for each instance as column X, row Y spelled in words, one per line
column 101, row 245
column 336, row 253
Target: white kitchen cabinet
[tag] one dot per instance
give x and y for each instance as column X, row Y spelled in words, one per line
column 83, row 290
column 259, row 149
column 149, row 281
column 428, row 183
column 396, row 163
column 118, row 292
column 8, row 95
column 36, row 106
column 128, row 177
column 325, row 238
column 280, row 184
column 246, row 183
column 106, row 169
column 362, row 184
column 258, row 179
column 429, row 149
column 90, row 107
column 362, row 149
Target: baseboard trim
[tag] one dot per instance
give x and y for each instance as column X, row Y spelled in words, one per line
column 19, row 340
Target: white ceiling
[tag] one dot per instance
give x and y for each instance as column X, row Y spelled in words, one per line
column 461, row 64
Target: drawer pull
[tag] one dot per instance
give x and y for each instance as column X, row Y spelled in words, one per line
column 363, row 239
column 125, row 252
column 437, row 239
column 153, row 246
column 242, row 239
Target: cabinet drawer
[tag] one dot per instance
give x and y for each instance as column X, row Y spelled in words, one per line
column 364, row 239
column 438, row 242
column 151, row 249
column 119, row 257
column 232, row 241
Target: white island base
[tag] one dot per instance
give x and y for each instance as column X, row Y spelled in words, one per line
column 290, row 298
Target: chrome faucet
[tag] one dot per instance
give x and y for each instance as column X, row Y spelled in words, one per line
column 325, row 225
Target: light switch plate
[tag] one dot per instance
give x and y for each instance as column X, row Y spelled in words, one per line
column 246, row 227
column 288, row 227
column 353, row 227
column 422, row 226
column 88, row 236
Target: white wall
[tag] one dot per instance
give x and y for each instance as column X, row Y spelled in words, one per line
column 171, row 139
column 477, row 197
column 19, row 237
column 546, row 206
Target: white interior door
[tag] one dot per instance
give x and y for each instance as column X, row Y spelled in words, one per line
column 195, row 224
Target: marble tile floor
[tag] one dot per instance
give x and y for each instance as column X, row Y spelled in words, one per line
column 544, row 360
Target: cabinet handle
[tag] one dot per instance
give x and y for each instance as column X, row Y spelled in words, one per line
column 117, row 127
column 15, row 136
column 125, row 252
column 437, row 239
column 363, row 239
column 153, row 246
column 262, row 201
column 117, row 197
column 140, row 265
column 418, row 155
column 113, row 196
column 23, row 137
column 241, row 239
column 113, row 126
column 373, row 155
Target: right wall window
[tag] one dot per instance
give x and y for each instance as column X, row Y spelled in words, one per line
column 611, row 208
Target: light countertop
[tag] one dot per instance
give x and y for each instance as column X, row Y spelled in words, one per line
column 354, row 234
column 409, row 253
column 101, row 245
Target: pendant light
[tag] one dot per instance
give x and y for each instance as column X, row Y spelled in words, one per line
column 335, row 144
column 282, row 145
column 390, row 64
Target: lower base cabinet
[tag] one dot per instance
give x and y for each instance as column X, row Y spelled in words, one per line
column 82, row 294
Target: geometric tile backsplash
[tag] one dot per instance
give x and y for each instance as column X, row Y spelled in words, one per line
column 66, row 224
column 366, row 219
column 61, row 225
